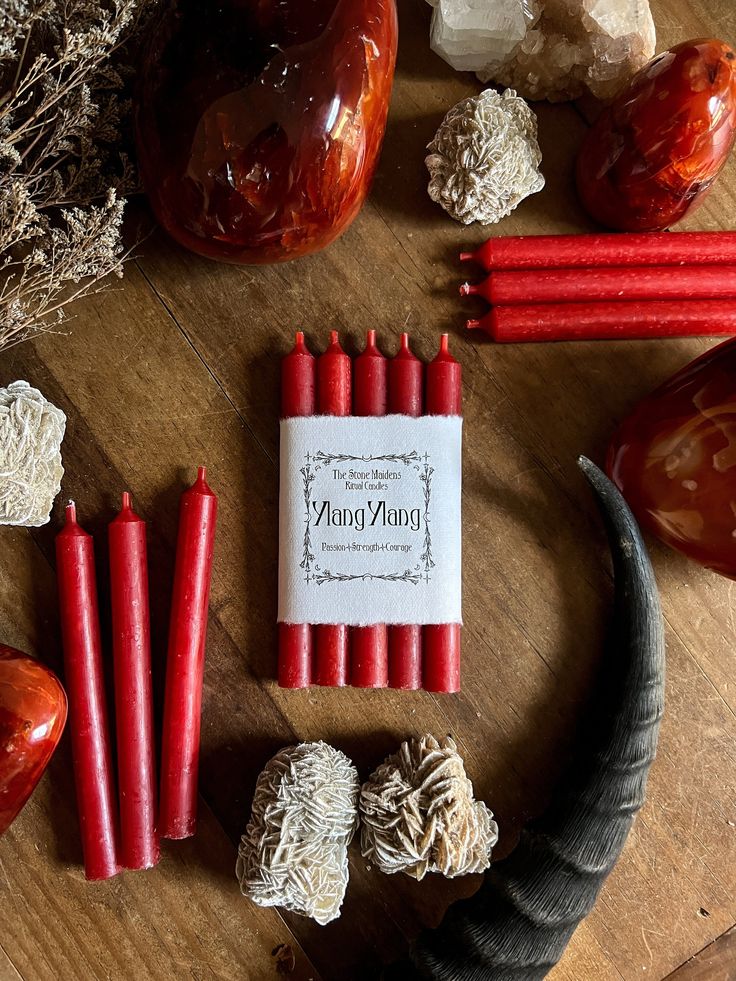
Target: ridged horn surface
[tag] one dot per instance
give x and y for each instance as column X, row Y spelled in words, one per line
column 516, row 927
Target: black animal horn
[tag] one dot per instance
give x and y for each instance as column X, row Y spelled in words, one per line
column 516, row 927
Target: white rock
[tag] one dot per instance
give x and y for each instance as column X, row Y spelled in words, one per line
column 294, row 852
column 546, row 49
column 485, row 158
column 31, row 431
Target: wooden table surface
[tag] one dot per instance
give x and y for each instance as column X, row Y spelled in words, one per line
column 180, row 367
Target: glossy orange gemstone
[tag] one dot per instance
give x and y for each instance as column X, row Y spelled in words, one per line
column 674, row 459
column 654, row 153
column 32, row 717
column 259, row 125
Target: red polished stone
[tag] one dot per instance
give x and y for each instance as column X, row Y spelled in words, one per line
column 32, row 717
column 674, row 459
column 654, row 153
column 259, row 124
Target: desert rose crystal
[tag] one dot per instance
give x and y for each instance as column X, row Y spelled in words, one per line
column 654, row 153
column 674, row 459
column 32, row 717
column 259, row 125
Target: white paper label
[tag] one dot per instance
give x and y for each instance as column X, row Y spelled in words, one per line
column 369, row 520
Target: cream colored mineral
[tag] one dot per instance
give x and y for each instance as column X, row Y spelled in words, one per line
column 31, row 431
column 304, row 815
column 484, row 158
column 546, row 49
column 418, row 813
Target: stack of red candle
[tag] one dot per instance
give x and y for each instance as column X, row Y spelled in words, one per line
column 405, row 656
column 566, row 287
column 127, row 837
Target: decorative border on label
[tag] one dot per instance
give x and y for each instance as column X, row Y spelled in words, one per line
column 313, row 464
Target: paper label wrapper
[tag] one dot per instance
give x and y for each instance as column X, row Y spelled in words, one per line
column 369, row 520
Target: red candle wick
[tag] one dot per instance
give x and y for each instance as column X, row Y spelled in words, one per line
column 300, row 343
column 405, row 352
column 467, row 289
column 466, row 256
column 71, row 514
column 444, row 352
column 472, row 324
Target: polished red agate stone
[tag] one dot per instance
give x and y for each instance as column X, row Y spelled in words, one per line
column 674, row 459
column 32, row 717
column 259, row 122
column 655, row 151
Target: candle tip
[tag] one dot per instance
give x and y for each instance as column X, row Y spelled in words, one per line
column 405, row 341
column 334, row 337
column 466, row 289
column 71, row 511
column 127, row 501
column 466, row 256
column 201, row 473
column 445, row 344
column 472, row 324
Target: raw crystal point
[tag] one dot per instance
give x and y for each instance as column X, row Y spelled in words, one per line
column 485, row 158
column 31, row 431
column 472, row 35
column 546, row 49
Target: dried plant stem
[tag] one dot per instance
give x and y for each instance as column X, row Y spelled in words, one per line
column 62, row 173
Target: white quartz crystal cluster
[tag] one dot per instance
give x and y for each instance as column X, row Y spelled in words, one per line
column 546, row 49
column 484, row 158
column 31, row 431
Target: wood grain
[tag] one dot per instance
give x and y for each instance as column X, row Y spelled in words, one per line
column 180, row 367
column 716, row 963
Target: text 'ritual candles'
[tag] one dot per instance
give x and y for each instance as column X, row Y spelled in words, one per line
column 298, row 398
column 139, row 848
column 185, row 660
column 85, row 686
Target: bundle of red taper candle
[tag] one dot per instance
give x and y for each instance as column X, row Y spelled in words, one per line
column 406, row 656
column 595, row 287
column 127, row 836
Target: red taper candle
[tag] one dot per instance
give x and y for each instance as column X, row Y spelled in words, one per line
column 369, row 644
column 523, row 287
column 605, row 249
column 441, row 642
column 405, row 397
column 609, row 320
column 185, row 660
column 131, row 646
column 85, row 687
column 298, row 398
column 334, row 386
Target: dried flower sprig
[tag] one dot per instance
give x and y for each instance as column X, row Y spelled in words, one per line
column 62, row 172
